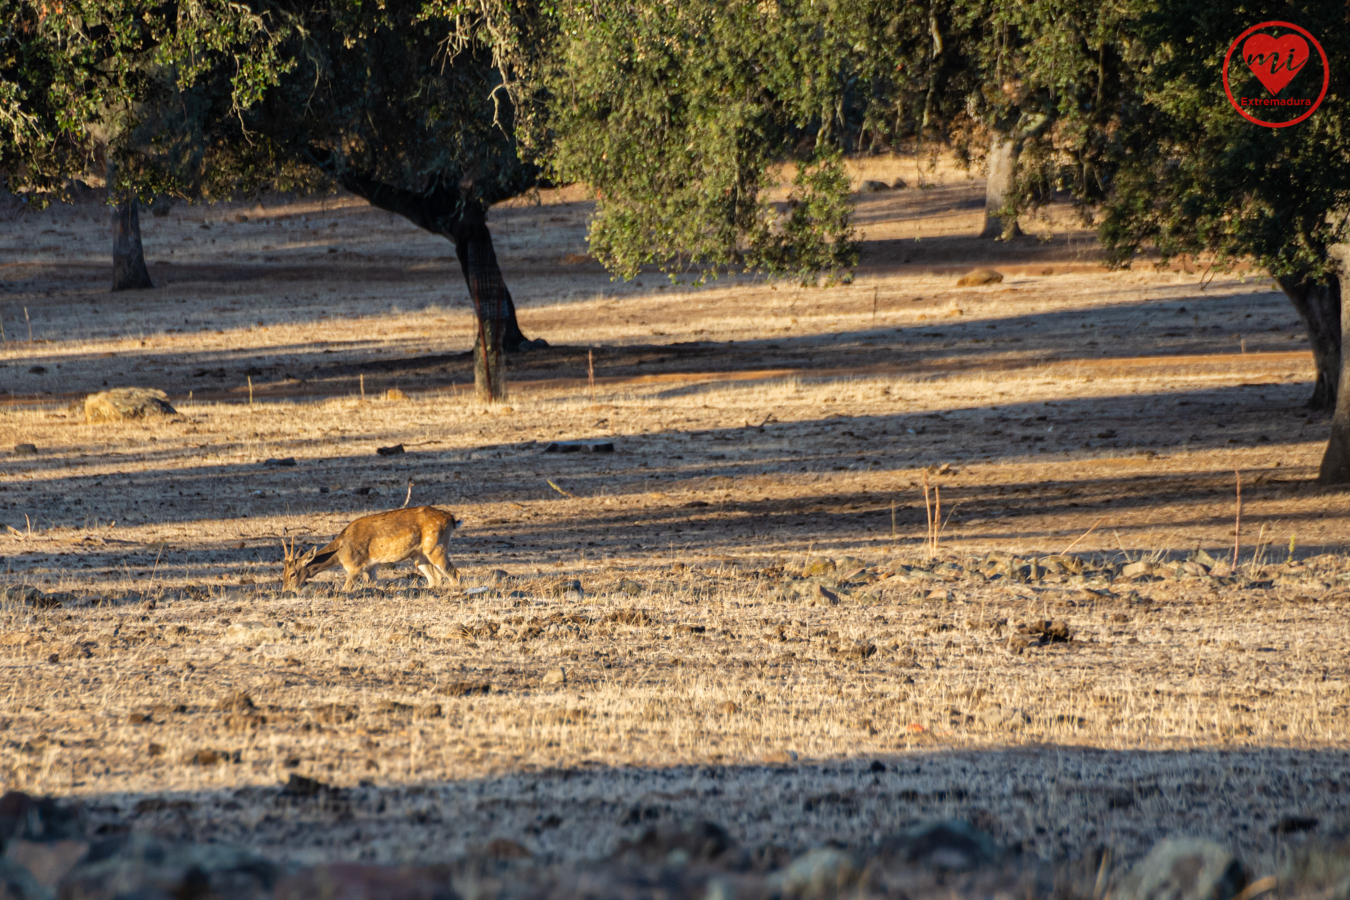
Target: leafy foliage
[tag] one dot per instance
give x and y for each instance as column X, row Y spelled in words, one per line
column 681, row 117
column 86, row 83
column 1142, row 125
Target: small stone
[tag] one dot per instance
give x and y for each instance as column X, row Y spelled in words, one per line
column 465, row 688
column 122, row 404
column 873, row 187
column 300, row 786
column 285, row 463
column 898, row 184
column 820, row 874
column 54, row 658
column 780, row 757
column 819, row 565
column 37, row 370
column 950, row 845
column 395, row 394
column 1135, row 569
column 564, row 447
column 238, row 701
column 977, row 277
column 1184, row 869
column 389, row 451
column 25, row 450
column 877, row 767
column 566, row 588
column 603, row 447
column 253, row 632
column 631, row 588
column 828, row 595
column 941, row 594
column 556, row 675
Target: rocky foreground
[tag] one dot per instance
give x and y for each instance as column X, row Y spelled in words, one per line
column 54, row 849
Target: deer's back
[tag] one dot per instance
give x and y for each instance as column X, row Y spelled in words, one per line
column 394, row 535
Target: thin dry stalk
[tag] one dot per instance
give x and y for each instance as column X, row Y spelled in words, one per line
column 363, row 385
column 590, row 373
column 1083, row 535
column 30, row 324
column 250, row 390
column 408, row 499
column 1237, row 519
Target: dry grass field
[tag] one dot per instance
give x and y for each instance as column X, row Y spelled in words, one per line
column 734, row 614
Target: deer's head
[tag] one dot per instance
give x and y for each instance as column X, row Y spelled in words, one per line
column 295, row 571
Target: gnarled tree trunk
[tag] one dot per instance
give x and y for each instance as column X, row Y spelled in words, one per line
column 463, row 220
column 1319, row 306
column 1002, row 167
column 129, row 272
column 1335, row 467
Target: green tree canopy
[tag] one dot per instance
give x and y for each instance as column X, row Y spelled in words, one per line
column 682, row 116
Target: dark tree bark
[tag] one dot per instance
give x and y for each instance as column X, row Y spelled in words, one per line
column 129, row 272
column 1002, row 167
column 1319, row 306
column 1335, row 467
column 462, row 220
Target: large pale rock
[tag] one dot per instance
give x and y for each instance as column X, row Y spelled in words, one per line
column 1184, row 869
column 122, row 404
column 820, row 874
column 947, row 846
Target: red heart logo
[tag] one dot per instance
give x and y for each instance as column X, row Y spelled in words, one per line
column 1275, row 60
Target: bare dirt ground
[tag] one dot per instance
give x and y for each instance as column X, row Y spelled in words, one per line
column 740, row 596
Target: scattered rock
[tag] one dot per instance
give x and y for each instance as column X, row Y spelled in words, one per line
column 141, row 866
column 567, row 589
column 827, row 595
column 820, row 874
column 820, row 565
column 579, row 447
column 121, row 404
column 25, row 817
column 1184, row 869
column 858, row 651
column 631, row 588
column 286, row 463
column 951, row 845
column 699, row 841
column 27, row 595
column 555, row 675
column 238, row 701
column 389, row 451
column 779, row 757
column 942, row 595
column 37, row 370
column 25, row 450
column 301, row 786
column 498, row 575
column 48, row 861
column 873, row 187
column 17, row 883
column 211, row 757
column 1136, row 569
column 465, row 688
column 395, row 394
column 252, row 632
column 977, row 277
column 1001, row 719
column 1293, row 825
column 898, row 184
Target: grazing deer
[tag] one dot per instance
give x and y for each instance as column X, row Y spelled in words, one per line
column 420, row 534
